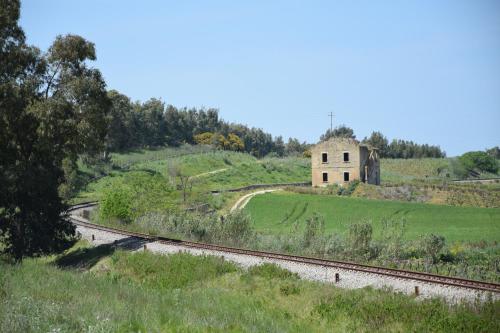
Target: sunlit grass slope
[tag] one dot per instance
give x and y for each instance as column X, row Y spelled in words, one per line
column 211, row 169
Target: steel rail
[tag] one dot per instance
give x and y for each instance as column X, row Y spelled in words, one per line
column 346, row 265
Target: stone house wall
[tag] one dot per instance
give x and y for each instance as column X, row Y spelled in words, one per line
column 335, row 167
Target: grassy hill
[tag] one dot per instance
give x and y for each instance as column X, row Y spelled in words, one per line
column 277, row 212
column 100, row 290
column 211, row 170
column 218, row 170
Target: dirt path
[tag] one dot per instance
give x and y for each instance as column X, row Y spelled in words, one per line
column 243, row 201
column 209, row 173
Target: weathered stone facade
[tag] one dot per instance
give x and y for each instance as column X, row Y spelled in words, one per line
column 341, row 160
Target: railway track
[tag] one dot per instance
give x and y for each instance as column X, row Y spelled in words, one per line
column 344, row 265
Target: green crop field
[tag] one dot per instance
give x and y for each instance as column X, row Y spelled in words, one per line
column 277, row 212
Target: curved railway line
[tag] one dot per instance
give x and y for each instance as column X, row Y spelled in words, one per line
column 427, row 278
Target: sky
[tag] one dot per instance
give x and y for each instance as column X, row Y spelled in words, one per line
column 427, row 71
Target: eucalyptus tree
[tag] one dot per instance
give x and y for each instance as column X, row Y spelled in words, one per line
column 379, row 141
column 52, row 108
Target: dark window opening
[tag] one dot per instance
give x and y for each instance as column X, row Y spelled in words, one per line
column 325, row 177
column 346, row 157
column 324, row 157
column 346, row 176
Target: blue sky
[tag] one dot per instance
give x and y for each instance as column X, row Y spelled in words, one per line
column 427, row 71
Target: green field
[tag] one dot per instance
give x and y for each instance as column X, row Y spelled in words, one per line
column 277, row 212
column 103, row 290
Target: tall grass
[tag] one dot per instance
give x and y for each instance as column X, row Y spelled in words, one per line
column 144, row 292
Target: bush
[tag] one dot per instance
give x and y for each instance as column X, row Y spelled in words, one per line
column 236, row 228
column 432, row 245
column 459, row 170
column 349, row 189
column 128, row 197
column 479, row 160
column 393, row 239
column 315, row 229
column 359, row 238
column 116, row 203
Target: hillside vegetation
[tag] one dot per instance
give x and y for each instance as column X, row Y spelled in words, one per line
column 423, row 169
column 209, row 169
column 125, row 292
column 467, row 195
column 420, row 180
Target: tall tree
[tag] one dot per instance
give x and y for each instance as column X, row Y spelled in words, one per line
column 379, row 141
column 154, row 124
column 279, row 146
column 494, row 152
column 121, row 132
column 52, row 108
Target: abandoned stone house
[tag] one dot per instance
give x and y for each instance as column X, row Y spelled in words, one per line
column 341, row 160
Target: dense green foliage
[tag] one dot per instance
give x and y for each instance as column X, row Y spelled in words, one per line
column 341, row 131
column 130, row 195
column 479, row 160
column 152, row 123
column 124, row 292
column 52, row 108
column 402, row 148
column 494, row 152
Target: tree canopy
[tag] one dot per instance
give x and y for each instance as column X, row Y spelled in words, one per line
column 341, row 131
column 52, row 108
column 479, row 160
column 402, row 148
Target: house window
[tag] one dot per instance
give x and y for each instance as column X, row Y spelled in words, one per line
column 324, row 157
column 346, row 157
column 325, row 177
column 346, row 176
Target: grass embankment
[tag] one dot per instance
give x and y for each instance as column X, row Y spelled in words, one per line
column 100, row 290
column 421, row 169
column 277, row 212
column 469, row 195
